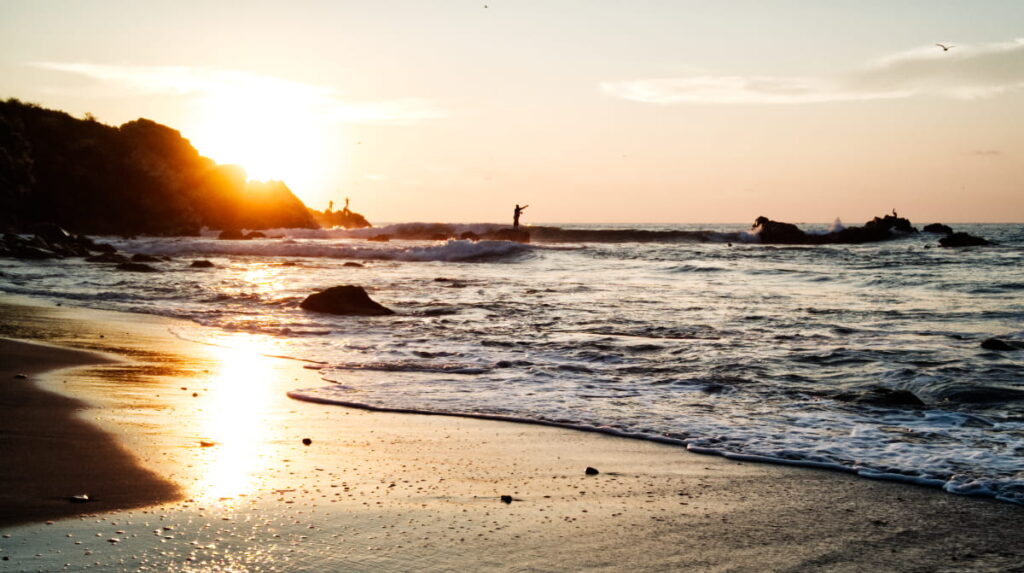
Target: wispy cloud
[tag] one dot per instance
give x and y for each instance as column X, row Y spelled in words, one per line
column 964, row 72
column 220, row 83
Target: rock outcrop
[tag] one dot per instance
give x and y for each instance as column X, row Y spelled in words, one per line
column 878, row 229
column 345, row 299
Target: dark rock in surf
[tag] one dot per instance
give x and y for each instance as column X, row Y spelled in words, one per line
column 774, row 232
column 880, row 396
column 878, row 229
column 347, row 300
column 255, row 235
column 231, row 235
column 202, row 264
column 439, row 237
column 353, row 265
column 107, row 258
column 25, row 251
column 469, row 236
column 1001, row 345
column 50, row 232
column 140, row 258
column 136, row 268
column 982, row 395
column 938, row 228
column 518, row 236
column 963, row 240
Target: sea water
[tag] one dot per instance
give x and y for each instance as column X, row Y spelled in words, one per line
column 692, row 334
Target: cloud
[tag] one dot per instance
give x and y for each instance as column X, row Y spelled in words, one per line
column 219, row 83
column 964, row 72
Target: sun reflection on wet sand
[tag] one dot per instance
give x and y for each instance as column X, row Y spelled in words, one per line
column 234, row 421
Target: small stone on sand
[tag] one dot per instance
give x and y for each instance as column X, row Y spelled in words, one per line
column 591, row 471
column 306, row 441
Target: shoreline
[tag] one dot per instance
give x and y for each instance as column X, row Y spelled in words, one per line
column 51, row 454
column 390, row 491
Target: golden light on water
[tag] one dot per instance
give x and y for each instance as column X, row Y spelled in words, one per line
column 239, row 397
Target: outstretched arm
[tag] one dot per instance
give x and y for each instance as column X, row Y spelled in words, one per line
column 523, row 208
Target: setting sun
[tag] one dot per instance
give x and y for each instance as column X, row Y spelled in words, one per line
column 274, row 132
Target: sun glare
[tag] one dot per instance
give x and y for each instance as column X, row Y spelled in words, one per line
column 236, row 425
column 272, row 134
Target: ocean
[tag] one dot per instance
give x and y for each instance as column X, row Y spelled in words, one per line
column 696, row 335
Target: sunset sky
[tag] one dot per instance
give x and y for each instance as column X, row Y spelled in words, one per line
column 590, row 110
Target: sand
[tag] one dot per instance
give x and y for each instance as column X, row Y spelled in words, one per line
column 396, row 492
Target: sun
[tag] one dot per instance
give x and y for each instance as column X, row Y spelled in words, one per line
column 272, row 134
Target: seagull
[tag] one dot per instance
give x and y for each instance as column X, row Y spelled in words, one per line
column 944, row 47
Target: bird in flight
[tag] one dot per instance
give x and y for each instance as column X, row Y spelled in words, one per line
column 944, row 47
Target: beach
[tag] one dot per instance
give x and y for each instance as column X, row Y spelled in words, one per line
column 223, row 480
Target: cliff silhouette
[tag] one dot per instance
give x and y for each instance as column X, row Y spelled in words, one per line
column 139, row 178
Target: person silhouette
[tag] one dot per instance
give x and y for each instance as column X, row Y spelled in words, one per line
column 515, row 216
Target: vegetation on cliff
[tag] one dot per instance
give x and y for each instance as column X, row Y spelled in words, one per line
column 139, row 178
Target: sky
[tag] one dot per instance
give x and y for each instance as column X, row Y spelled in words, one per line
column 588, row 111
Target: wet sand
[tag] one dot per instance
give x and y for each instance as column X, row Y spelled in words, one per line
column 50, row 455
column 394, row 492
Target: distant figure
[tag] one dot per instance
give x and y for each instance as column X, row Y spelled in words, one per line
column 515, row 216
column 944, row 47
column 345, row 210
column 330, row 206
column 894, row 214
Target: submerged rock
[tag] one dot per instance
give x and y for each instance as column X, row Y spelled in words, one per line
column 231, row 235
column 202, row 264
column 140, row 258
column 963, row 240
column 1001, row 345
column 107, row 258
column 137, row 268
column 353, row 265
column 938, row 228
column 345, row 299
column 880, row 396
column 518, row 236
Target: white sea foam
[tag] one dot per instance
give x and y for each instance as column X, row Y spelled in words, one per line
column 450, row 251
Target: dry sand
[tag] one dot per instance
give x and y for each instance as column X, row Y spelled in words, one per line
column 393, row 492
